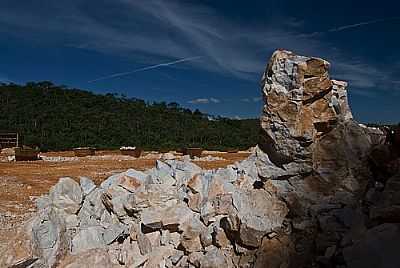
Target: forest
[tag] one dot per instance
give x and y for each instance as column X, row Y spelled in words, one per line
column 59, row 118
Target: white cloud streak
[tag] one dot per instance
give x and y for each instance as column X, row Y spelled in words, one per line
column 254, row 99
column 365, row 23
column 151, row 67
column 204, row 101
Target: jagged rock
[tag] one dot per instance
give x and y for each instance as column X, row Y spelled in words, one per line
column 219, row 237
column 18, row 252
column 158, row 257
column 92, row 209
column 170, row 217
column 170, row 238
column 87, row 185
column 92, row 258
column 191, row 232
column 144, row 242
column 112, row 232
column 154, row 238
column 119, row 201
column 302, row 104
column 131, row 179
column 214, row 257
column 131, row 251
column 88, row 238
column 71, row 221
column 274, row 253
column 42, row 202
column 66, row 195
column 259, row 213
column 176, row 257
column 342, row 153
column 49, row 237
column 376, row 248
column 387, row 206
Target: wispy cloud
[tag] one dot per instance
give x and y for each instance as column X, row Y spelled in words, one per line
column 254, row 99
column 5, row 79
column 346, row 27
column 153, row 31
column 364, row 23
column 151, row 67
column 204, row 101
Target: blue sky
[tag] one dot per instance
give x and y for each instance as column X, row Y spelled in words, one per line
column 226, row 43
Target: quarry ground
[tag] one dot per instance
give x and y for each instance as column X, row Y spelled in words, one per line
column 22, row 182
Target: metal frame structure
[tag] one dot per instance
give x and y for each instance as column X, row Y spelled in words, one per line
column 8, row 140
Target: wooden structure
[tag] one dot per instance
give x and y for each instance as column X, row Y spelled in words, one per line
column 9, row 140
column 84, row 151
column 135, row 152
column 193, row 152
column 26, row 154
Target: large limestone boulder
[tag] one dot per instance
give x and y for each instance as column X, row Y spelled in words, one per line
column 307, row 125
column 66, row 195
column 302, row 105
column 312, row 153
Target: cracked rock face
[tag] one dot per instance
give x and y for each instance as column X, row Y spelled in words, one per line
column 317, row 158
column 301, row 102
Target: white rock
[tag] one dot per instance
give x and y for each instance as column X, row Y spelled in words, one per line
column 87, row 185
column 66, row 195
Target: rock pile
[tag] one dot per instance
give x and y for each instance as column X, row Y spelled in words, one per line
column 174, row 215
column 304, row 198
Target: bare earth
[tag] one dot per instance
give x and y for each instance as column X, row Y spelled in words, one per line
column 22, row 182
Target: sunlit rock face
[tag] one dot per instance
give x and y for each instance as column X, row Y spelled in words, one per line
column 307, row 125
column 313, row 154
column 300, row 101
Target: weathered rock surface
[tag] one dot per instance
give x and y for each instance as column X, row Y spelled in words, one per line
column 315, row 156
column 66, row 195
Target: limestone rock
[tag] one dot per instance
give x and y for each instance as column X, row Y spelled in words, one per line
column 299, row 97
column 87, row 185
column 215, row 257
column 274, row 253
column 190, row 238
column 66, row 195
column 259, row 213
column 86, row 239
column 131, row 179
column 18, row 251
column 49, row 238
column 144, row 242
column 170, row 218
column 158, row 257
column 91, row 258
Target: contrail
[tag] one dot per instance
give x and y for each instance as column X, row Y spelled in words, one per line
column 145, row 68
column 349, row 26
column 345, row 27
column 336, row 29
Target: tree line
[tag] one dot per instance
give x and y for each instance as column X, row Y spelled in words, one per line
column 60, row 118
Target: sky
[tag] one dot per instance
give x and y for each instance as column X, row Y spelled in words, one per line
column 203, row 54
